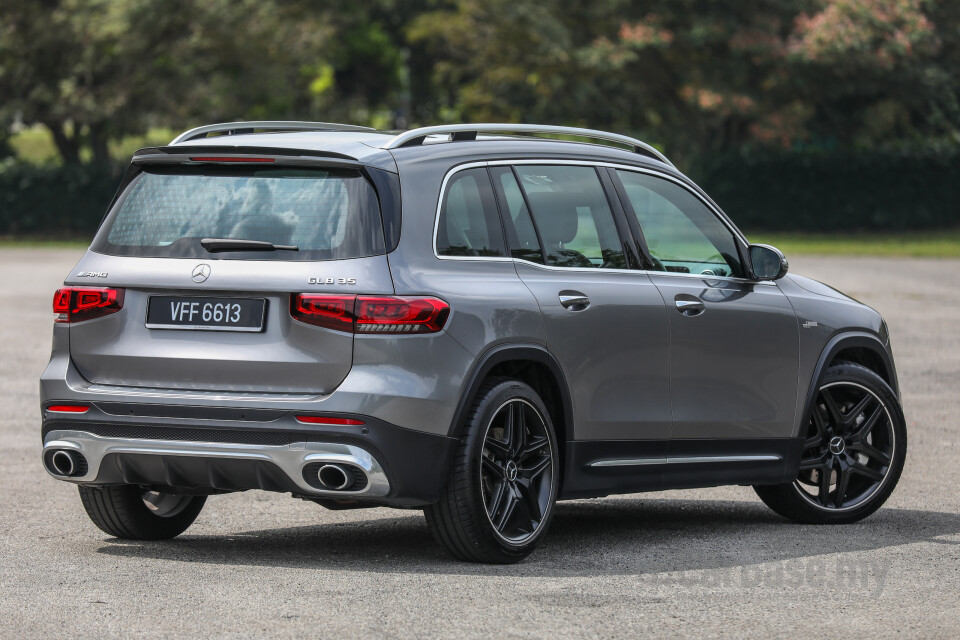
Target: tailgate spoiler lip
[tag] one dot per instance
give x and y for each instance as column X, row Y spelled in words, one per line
column 283, row 157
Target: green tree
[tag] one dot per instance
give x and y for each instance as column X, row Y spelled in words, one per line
column 514, row 59
column 702, row 75
column 696, row 76
column 846, row 72
column 92, row 70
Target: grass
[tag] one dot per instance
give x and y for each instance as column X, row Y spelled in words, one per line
column 16, row 242
column 35, row 145
column 925, row 244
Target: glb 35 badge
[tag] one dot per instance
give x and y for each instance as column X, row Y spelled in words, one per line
column 332, row 281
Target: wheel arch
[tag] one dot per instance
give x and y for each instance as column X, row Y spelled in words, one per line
column 860, row 348
column 534, row 365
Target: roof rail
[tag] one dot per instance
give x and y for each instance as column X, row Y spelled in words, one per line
column 235, row 128
column 469, row 132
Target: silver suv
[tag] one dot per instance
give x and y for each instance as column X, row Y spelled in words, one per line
column 468, row 319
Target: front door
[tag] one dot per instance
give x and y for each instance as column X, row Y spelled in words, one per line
column 734, row 342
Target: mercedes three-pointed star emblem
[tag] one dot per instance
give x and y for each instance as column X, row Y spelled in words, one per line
column 200, row 273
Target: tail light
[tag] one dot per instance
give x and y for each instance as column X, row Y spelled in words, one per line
column 381, row 314
column 76, row 304
column 331, row 312
column 371, row 314
column 229, row 159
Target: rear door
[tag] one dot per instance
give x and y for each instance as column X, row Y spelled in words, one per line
column 605, row 323
column 734, row 342
column 201, row 315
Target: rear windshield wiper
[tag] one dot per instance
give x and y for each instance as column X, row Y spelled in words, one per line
column 230, row 244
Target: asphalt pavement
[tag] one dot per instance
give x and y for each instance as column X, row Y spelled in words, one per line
column 707, row 563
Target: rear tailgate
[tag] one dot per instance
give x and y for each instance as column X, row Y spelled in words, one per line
column 196, row 319
column 286, row 356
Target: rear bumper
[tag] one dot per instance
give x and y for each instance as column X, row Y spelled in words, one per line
column 400, row 467
column 412, row 382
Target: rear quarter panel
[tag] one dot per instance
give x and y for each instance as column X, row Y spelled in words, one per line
column 489, row 303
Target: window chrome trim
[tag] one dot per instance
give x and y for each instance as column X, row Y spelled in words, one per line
column 738, row 235
column 550, row 267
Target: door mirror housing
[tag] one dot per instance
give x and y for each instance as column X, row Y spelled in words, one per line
column 768, row 263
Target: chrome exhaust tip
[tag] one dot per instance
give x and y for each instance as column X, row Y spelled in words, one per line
column 65, row 463
column 335, row 477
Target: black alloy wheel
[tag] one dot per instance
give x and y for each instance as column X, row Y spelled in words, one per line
column 847, row 456
column 499, row 497
column 516, row 471
column 854, row 450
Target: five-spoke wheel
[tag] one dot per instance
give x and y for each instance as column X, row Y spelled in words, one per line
column 516, row 470
column 853, row 451
column 499, row 497
column 847, row 457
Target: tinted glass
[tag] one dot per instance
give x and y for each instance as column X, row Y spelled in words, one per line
column 165, row 212
column 682, row 233
column 521, row 234
column 469, row 222
column 572, row 214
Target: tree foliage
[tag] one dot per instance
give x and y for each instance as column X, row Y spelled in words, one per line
column 695, row 76
column 91, row 70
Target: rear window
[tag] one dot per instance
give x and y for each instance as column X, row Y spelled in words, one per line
column 469, row 220
column 165, row 211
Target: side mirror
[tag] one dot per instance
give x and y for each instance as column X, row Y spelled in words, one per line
column 768, row 262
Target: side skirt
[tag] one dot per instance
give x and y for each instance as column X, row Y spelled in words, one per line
column 598, row 468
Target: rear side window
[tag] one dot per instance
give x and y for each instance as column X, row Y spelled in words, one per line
column 572, row 215
column 165, row 212
column 469, row 222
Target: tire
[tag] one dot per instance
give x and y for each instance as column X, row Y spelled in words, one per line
column 500, row 474
column 121, row 511
column 856, row 445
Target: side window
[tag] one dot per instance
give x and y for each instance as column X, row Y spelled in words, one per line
column 682, row 233
column 518, row 225
column 469, row 222
column 572, row 214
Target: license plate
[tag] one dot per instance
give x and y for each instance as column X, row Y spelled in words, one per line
column 206, row 314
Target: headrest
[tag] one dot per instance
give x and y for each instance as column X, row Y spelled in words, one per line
column 556, row 216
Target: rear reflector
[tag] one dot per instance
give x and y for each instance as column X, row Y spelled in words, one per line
column 68, row 408
column 229, row 159
column 327, row 420
column 76, row 304
column 371, row 314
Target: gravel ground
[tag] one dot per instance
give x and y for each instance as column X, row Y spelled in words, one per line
column 707, row 562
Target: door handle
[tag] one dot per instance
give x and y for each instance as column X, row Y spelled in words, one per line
column 574, row 300
column 689, row 305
